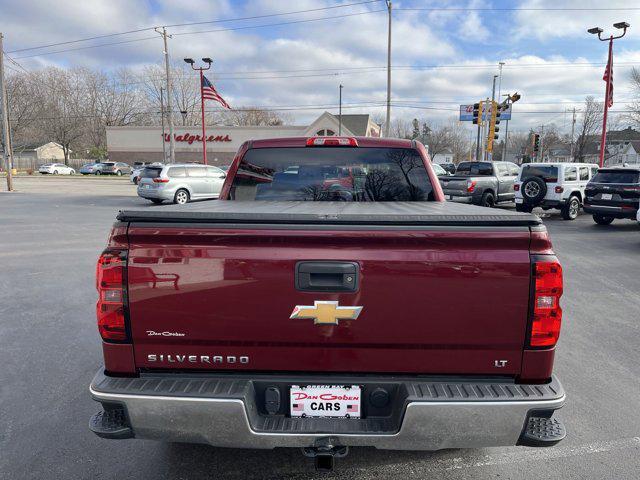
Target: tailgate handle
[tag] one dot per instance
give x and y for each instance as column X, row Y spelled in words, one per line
column 327, row 276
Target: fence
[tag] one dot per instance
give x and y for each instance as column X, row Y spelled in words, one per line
column 32, row 163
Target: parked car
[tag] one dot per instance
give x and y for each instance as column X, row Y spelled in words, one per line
column 440, row 170
column 481, row 183
column 304, row 322
column 90, row 168
column 449, row 167
column 56, row 169
column 180, row 183
column 138, row 167
column 553, row 185
column 613, row 193
column 115, row 168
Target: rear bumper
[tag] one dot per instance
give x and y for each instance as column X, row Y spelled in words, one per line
column 224, row 411
column 611, row 211
column 154, row 193
column 457, row 196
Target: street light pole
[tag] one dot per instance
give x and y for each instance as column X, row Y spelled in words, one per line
column 208, row 61
column 387, row 124
column 609, row 77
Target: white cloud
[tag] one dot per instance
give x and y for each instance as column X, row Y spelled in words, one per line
column 419, row 38
column 550, row 24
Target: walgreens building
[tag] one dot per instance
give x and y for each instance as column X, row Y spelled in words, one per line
column 146, row 144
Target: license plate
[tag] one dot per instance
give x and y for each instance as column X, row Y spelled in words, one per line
column 325, row 401
column 146, row 186
column 606, row 196
column 519, row 200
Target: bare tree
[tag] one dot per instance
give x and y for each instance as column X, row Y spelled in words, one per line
column 245, row 116
column 64, row 107
column 24, row 106
column 634, row 116
column 589, row 121
column 401, row 128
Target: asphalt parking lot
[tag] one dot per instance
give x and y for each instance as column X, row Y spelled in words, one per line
column 51, row 232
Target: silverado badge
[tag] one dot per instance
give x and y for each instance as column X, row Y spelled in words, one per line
column 325, row 312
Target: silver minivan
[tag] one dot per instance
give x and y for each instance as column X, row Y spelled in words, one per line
column 180, row 183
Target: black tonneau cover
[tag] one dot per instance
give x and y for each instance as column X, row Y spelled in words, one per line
column 331, row 213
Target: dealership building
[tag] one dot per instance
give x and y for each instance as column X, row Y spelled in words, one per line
column 145, row 144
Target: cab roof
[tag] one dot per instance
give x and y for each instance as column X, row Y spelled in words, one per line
column 293, row 142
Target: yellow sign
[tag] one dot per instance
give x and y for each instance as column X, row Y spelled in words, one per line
column 325, row 312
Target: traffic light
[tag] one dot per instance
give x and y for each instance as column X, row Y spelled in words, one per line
column 536, row 143
column 477, row 113
column 493, row 125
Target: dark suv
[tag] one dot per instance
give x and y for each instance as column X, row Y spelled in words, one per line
column 613, row 193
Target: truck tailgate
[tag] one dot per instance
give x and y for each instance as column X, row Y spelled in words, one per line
column 453, row 185
column 443, row 288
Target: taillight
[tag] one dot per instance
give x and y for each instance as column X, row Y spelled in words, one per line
column 111, row 295
column 547, row 313
column 160, row 180
column 516, row 187
column 471, row 185
column 332, row 142
column 559, row 189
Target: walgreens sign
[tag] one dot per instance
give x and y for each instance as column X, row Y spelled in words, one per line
column 190, row 138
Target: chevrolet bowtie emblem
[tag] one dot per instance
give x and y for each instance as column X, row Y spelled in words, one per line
column 325, row 312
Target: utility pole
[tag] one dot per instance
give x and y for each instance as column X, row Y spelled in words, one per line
column 542, row 143
column 164, row 141
column 500, row 65
column 387, row 124
column 8, row 154
column 340, row 112
column 573, row 128
column 172, row 142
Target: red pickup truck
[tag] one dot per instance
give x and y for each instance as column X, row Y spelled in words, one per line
column 299, row 313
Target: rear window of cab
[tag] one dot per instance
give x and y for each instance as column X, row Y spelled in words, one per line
column 360, row 174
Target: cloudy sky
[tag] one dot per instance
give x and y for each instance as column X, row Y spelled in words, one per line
column 445, row 52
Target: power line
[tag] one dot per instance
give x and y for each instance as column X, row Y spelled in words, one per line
column 86, row 48
column 200, row 32
column 246, row 27
column 15, row 63
column 255, row 17
column 516, row 9
column 225, row 20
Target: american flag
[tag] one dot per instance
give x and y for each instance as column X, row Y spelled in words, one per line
column 210, row 93
column 608, row 77
column 352, row 408
column 298, row 407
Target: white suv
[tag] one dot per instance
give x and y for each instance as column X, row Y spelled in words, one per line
column 553, row 185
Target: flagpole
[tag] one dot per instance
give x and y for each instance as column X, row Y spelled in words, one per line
column 603, row 140
column 204, row 132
